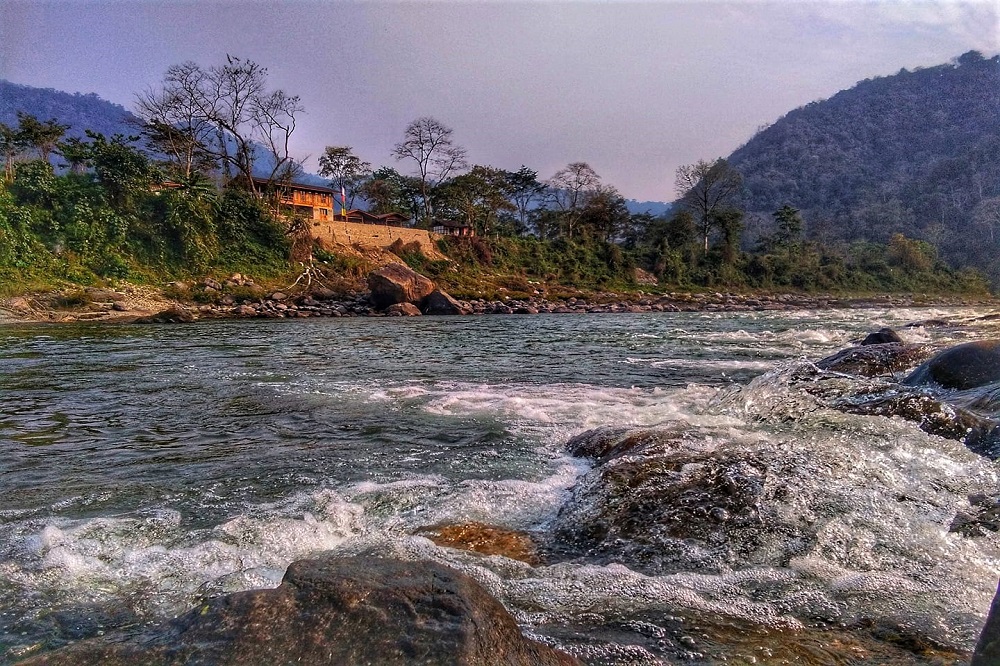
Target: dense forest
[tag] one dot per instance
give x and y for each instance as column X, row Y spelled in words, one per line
column 916, row 153
column 187, row 186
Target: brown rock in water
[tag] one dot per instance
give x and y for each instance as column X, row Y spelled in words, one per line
column 395, row 283
column 403, row 310
column 438, row 302
column 963, row 367
column 332, row 611
column 484, row 539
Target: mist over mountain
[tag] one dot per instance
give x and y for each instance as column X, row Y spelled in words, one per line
column 916, row 153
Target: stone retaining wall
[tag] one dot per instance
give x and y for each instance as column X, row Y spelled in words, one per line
column 375, row 235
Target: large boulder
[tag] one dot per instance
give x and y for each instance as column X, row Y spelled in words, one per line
column 332, row 610
column 963, row 367
column 395, row 283
column 660, row 500
column 438, row 302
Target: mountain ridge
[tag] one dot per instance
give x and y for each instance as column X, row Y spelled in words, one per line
column 916, row 153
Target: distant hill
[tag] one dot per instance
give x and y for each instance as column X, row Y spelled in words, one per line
column 916, row 153
column 80, row 112
column 655, row 208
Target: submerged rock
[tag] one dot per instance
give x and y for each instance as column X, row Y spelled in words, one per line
column 484, row 539
column 395, row 283
column 332, row 610
column 966, row 366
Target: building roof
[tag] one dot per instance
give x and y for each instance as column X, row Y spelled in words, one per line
column 295, row 186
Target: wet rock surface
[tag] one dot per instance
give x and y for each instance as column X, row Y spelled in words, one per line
column 670, row 500
column 966, row 366
column 873, row 360
column 332, row 611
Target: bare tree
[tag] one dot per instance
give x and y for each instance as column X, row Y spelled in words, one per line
column 570, row 189
column 345, row 170
column 224, row 113
column 706, row 189
column 429, row 144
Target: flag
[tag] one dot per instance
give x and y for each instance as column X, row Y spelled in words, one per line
column 343, row 200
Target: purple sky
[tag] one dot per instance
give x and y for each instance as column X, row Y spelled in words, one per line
column 635, row 89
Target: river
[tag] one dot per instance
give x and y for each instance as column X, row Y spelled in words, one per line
column 144, row 467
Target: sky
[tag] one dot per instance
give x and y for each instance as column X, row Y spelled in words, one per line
column 635, row 89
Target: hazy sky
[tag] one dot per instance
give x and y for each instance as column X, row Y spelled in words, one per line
column 635, row 89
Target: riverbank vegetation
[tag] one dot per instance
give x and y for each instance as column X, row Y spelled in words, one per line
column 192, row 193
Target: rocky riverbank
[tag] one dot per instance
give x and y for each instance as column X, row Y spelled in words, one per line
column 238, row 297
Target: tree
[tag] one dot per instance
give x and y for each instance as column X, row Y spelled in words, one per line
column 124, row 172
column 227, row 114
column 524, row 190
column 570, row 189
column 479, row 197
column 706, row 188
column 388, row 191
column 788, row 232
column 430, row 145
column 605, row 216
column 42, row 136
column 11, row 145
column 345, row 170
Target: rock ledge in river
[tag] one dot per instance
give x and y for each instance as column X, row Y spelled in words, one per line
column 333, row 610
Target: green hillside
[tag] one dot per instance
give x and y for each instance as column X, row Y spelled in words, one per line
column 916, row 153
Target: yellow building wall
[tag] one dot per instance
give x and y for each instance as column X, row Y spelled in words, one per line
column 376, row 235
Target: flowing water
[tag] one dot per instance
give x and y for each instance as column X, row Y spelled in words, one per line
column 144, row 467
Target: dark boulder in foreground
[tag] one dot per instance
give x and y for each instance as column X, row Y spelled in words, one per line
column 963, row 367
column 396, row 283
column 987, row 652
column 329, row 611
column 872, row 360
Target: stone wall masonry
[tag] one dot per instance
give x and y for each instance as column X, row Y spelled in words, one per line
column 374, row 235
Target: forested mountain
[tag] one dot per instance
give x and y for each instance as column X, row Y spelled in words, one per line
column 916, row 153
column 80, row 112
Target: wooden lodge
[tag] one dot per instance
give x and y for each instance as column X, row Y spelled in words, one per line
column 449, row 228
column 313, row 202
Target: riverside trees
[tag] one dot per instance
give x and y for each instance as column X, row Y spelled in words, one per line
column 226, row 115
